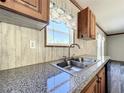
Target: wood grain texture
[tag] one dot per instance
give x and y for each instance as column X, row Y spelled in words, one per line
column 8, row 46
column 29, row 55
column 86, row 24
column 18, row 42
column 15, row 48
column 101, row 83
column 91, row 87
column 29, row 3
column 81, row 8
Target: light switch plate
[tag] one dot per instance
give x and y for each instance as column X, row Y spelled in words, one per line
column 32, row 44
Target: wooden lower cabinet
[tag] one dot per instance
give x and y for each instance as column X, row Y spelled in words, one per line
column 101, row 81
column 97, row 85
column 92, row 87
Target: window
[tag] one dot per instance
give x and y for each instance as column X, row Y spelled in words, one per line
column 59, row 34
column 100, row 46
column 60, row 31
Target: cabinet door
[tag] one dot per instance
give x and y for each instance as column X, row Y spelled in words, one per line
column 92, row 88
column 83, row 23
column 33, row 4
column 101, row 84
column 93, row 26
column 37, row 9
column 86, row 24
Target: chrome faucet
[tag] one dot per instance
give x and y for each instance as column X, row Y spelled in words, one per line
column 72, row 46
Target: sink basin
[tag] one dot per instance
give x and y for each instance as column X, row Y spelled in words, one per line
column 75, row 65
column 70, row 64
column 84, row 60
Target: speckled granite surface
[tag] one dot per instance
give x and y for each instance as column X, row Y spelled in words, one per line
column 45, row 78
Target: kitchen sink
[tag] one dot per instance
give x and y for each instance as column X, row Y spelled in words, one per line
column 75, row 65
column 70, row 64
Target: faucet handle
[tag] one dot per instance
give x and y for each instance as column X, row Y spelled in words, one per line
column 64, row 57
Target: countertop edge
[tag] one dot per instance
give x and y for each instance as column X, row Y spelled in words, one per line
column 92, row 76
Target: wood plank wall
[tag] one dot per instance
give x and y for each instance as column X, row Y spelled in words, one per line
column 15, row 48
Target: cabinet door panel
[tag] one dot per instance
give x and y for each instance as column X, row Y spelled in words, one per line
column 101, row 84
column 29, row 3
column 86, row 24
column 83, row 24
column 92, row 88
column 93, row 26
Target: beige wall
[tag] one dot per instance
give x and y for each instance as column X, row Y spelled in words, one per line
column 116, row 47
column 15, row 48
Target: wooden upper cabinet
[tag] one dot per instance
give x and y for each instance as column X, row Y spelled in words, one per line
column 34, row 9
column 37, row 9
column 86, row 24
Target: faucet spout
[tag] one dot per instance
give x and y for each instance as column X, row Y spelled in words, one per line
column 72, row 46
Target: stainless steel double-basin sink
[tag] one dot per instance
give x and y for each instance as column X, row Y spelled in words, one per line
column 75, row 64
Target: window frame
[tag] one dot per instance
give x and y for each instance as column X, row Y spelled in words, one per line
column 45, row 33
column 56, row 45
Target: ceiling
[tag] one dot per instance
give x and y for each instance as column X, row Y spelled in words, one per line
column 109, row 14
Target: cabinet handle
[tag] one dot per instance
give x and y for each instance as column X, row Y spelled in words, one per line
column 100, row 78
column 3, row 0
column 82, row 36
column 98, row 81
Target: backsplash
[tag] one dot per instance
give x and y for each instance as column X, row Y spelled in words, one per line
column 15, row 48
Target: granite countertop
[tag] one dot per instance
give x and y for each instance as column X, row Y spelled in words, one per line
column 45, row 78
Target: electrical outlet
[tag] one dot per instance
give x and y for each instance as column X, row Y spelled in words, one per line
column 32, row 44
